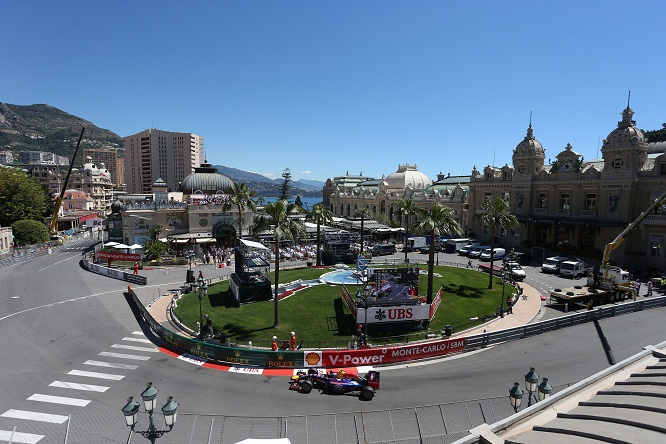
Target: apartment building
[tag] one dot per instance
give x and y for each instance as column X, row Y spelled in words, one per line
column 155, row 154
column 113, row 160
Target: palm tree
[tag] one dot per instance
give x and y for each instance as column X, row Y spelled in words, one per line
column 156, row 231
column 242, row 197
column 439, row 219
column 362, row 213
column 319, row 215
column 276, row 217
column 407, row 208
column 495, row 214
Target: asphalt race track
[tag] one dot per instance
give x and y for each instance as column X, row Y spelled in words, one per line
column 72, row 345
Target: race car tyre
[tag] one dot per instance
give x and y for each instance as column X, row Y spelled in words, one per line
column 367, row 393
column 306, row 387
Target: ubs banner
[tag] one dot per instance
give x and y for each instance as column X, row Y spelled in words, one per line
column 378, row 356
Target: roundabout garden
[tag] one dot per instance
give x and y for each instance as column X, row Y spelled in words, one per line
column 321, row 319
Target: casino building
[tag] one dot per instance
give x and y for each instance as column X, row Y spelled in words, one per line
column 570, row 205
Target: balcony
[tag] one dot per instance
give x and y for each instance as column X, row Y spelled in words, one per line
column 656, row 219
column 588, row 214
column 541, row 210
column 563, row 212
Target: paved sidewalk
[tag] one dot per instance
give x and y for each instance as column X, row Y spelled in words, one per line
column 528, row 306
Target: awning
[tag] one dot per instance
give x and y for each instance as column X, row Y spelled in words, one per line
column 253, row 244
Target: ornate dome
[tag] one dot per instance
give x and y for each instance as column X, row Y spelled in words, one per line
column 626, row 133
column 90, row 166
column 408, row 176
column 206, row 180
column 529, row 145
column 117, row 206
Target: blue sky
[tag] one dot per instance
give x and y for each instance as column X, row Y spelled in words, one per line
column 324, row 88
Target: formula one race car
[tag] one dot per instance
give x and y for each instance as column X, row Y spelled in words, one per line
column 339, row 382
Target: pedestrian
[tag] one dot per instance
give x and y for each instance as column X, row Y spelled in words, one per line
column 649, row 288
column 274, row 345
column 201, row 274
column 469, row 263
column 292, row 341
column 136, row 268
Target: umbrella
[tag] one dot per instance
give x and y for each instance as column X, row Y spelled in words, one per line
column 120, row 246
column 110, row 244
column 135, row 246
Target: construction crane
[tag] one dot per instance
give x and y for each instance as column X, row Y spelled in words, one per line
column 53, row 227
column 605, row 266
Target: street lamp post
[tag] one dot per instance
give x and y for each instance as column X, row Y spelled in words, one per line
column 149, row 396
column 543, row 390
column 201, row 290
column 503, row 284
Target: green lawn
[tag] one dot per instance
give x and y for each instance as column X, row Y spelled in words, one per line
column 318, row 316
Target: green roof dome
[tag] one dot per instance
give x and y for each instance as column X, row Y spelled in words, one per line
column 206, row 180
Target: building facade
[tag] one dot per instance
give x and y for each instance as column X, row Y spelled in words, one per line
column 576, row 206
column 346, row 194
column 112, row 160
column 41, row 157
column 154, row 154
column 570, row 206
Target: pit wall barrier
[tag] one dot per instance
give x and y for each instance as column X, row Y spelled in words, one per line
column 326, row 358
column 335, row 358
column 115, row 273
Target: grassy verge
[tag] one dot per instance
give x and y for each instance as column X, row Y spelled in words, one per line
column 319, row 317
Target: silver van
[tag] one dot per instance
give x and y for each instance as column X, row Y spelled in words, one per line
column 552, row 264
column 572, row 269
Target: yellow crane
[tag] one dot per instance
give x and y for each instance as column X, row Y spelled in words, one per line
column 605, row 264
column 53, row 227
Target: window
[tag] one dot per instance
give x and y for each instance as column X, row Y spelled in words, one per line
column 590, row 201
column 487, row 197
column 507, row 175
column 521, row 170
column 662, row 168
column 542, row 200
column 489, row 175
column 505, row 197
column 656, row 246
column 565, row 201
column 486, row 230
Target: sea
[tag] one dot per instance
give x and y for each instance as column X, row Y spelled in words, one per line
column 308, row 202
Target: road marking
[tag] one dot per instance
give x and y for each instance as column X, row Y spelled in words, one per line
column 76, row 386
column 124, row 356
column 56, row 263
column 140, row 333
column 35, row 416
column 95, row 375
column 133, row 347
column 18, row 437
column 112, row 365
column 59, row 400
column 145, row 341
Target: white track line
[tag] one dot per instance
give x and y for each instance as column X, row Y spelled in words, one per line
column 112, row 365
column 59, row 400
column 124, row 356
column 77, row 386
column 95, row 375
column 19, row 438
column 35, row 416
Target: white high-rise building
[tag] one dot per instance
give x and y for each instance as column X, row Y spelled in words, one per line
column 155, row 154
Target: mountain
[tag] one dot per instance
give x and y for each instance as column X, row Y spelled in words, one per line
column 45, row 128
column 271, row 187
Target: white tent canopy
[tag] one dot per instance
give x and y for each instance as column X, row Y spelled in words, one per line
column 265, row 441
column 253, row 244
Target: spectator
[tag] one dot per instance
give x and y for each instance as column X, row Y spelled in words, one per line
column 292, row 341
column 274, row 345
column 136, row 268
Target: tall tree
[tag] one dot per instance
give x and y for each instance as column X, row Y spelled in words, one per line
column 276, row 218
column 495, row 214
column 319, row 215
column 242, row 198
column 21, row 197
column 285, row 189
column 439, row 219
column 156, row 231
column 408, row 209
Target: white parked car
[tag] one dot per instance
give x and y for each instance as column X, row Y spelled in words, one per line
column 515, row 271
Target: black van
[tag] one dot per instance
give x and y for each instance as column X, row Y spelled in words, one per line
column 383, row 249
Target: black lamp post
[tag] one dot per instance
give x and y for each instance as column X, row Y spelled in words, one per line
column 149, row 396
column 201, row 290
column 503, row 283
column 543, row 390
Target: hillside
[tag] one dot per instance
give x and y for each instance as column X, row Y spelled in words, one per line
column 45, row 128
column 268, row 187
